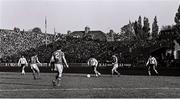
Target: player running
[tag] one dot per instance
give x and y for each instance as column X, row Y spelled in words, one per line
column 23, row 63
column 115, row 65
column 151, row 63
column 34, row 67
column 59, row 58
column 93, row 62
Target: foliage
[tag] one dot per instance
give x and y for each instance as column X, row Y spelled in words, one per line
column 155, row 28
column 146, row 29
column 177, row 17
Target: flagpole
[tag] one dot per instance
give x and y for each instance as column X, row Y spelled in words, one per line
column 54, row 34
column 45, row 31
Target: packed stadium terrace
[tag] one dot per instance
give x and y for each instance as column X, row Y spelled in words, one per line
column 13, row 43
column 77, row 50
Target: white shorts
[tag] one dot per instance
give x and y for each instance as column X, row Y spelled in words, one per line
column 115, row 66
column 59, row 68
column 34, row 66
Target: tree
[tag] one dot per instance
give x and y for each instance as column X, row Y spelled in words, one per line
column 16, row 29
column 146, row 28
column 177, row 21
column 177, row 17
column 138, row 28
column 155, row 28
column 128, row 31
column 37, row 30
column 140, row 22
column 135, row 28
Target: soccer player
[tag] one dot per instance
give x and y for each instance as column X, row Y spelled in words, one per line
column 93, row 62
column 115, row 65
column 59, row 58
column 151, row 63
column 23, row 63
column 34, row 67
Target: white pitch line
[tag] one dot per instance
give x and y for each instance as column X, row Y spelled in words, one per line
column 88, row 89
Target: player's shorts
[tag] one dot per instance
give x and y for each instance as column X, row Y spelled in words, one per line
column 115, row 66
column 22, row 65
column 150, row 66
column 34, row 66
column 59, row 68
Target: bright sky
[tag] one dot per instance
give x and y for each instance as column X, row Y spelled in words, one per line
column 74, row 15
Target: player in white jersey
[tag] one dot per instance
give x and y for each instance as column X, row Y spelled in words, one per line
column 34, row 67
column 23, row 63
column 93, row 62
column 115, row 65
column 151, row 63
column 58, row 57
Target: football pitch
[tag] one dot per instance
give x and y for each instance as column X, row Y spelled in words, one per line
column 15, row 85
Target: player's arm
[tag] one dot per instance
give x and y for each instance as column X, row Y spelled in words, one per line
column 155, row 61
column 147, row 62
column 64, row 59
column 26, row 62
column 19, row 62
column 38, row 61
column 51, row 60
column 88, row 62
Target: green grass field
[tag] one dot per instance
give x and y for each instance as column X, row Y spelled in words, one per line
column 15, row 85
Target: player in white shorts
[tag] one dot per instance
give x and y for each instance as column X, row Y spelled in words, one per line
column 58, row 57
column 151, row 63
column 23, row 63
column 115, row 65
column 93, row 62
column 34, row 67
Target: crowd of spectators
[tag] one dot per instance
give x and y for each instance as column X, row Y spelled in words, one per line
column 14, row 42
column 77, row 50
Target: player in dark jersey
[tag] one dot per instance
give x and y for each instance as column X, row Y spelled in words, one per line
column 115, row 65
column 34, row 67
column 59, row 59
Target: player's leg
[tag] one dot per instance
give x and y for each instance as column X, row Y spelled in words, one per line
column 56, row 77
column 96, row 72
column 23, row 71
column 54, row 82
column 149, row 70
column 59, row 68
column 116, row 67
column 113, row 69
column 34, row 70
column 37, row 71
column 154, row 68
column 34, row 73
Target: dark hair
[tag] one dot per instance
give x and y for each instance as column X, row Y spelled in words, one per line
column 58, row 47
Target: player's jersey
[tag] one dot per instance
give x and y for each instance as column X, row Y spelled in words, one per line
column 23, row 61
column 152, row 60
column 115, row 60
column 92, row 62
column 34, row 59
column 58, row 55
